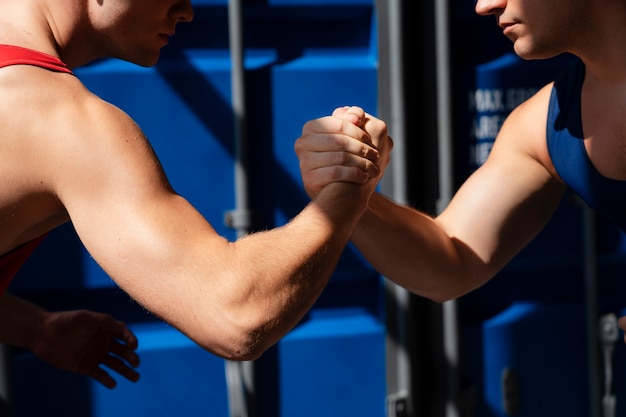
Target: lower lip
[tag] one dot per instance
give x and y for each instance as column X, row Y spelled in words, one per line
column 165, row 38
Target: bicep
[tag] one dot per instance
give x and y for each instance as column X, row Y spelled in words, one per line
column 125, row 211
column 506, row 202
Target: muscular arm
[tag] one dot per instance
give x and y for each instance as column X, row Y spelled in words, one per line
column 496, row 212
column 486, row 224
column 233, row 298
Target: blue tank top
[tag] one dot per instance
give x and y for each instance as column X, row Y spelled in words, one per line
column 567, row 149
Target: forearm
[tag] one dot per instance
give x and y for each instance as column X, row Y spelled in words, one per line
column 21, row 321
column 411, row 249
column 300, row 257
column 288, row 268
column 237, row 299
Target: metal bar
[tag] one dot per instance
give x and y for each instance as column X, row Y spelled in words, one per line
column 5, row 381
column 591, row 310
column 446, row 190
column 391, row 103
column 235, row 25
column 239, row 375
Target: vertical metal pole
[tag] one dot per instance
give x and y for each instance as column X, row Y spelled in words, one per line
column 235, row 26
column 239, row 375
column 5, row 381
column 591, row 310
column 446, row 189
column 391, row 102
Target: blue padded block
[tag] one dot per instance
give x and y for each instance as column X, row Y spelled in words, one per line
column 544, row 346
column 334, row 365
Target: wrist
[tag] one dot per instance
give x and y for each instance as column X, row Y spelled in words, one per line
column 344, row 201
column 23, row 322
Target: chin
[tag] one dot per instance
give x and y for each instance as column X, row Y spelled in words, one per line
column 529, row 51
column 529, row 56
column 146, row 61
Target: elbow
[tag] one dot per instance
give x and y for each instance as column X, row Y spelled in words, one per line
column 242, row 354
column 456, row 287
column 244, row 347
column 441, row 298
column 247, row 347
column 438, row 293
column 239, row 341
column 443, row 293
column 435, row 294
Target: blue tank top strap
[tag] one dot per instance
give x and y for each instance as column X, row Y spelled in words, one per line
column 567, row 150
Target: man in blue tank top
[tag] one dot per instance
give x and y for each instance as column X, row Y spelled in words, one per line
column 571, row 133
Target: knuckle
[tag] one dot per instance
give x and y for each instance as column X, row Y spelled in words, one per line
column 297, row 146
column 342, row 158
column 307, row 126
column 336, row 173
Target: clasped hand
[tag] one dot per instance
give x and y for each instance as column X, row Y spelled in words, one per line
column 348, row 146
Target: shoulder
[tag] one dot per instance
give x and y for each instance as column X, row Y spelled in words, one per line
column 49, row 101
column 68, row 135
column 524, row 130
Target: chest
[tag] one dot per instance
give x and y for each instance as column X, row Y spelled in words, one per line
column 604, row 130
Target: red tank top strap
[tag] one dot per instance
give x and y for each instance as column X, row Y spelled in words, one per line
column 17, row 55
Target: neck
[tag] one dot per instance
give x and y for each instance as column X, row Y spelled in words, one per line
column 600, row 44
column 50, row 26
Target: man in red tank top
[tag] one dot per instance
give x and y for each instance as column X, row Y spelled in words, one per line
column 68, row 156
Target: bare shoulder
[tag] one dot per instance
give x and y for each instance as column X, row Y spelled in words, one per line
column 67, row 152
column 75, row 137
column 523, row 133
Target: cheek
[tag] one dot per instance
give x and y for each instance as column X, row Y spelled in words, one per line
column 135, row 29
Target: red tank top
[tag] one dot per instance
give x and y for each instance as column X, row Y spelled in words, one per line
column 11, row 262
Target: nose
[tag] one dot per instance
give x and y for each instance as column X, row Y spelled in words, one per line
column 487, row 7
column 183, row 11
